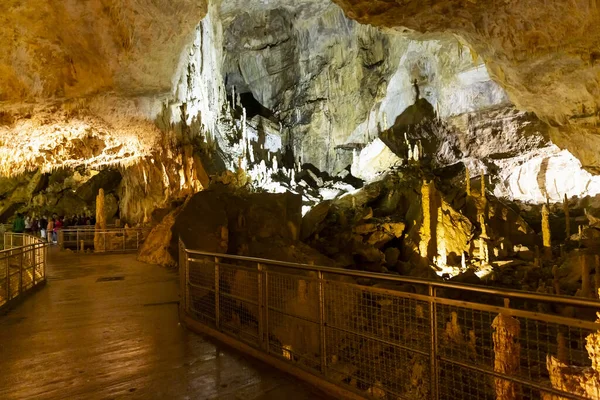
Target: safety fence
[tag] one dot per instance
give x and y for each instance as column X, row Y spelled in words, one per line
column 102, row 240
column 366, row 335
column 22, row 266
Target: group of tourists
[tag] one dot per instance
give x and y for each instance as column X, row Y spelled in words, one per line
column 48, row 228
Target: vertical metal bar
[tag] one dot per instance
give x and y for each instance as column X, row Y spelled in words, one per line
column 77, row 239
column 137, row 239
column 124, row 241
column 217, row 294
column 34, row 253
column 266, row 300
column 186, row 265
column 322, row 342
column 261, row 338
column 434, row 343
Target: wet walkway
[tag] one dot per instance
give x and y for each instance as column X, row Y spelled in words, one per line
column 106, row 327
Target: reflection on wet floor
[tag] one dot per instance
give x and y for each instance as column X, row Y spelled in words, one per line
column 106, row 327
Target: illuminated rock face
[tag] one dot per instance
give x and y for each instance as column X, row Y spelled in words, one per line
column 543, row 54
column 174, row 92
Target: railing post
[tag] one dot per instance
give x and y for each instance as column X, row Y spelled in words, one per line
column 124, row 241
column 8, row 292
column 323, row 343
column 137, row 239
column 261, row 338
column 77, row 239
column 434, row 343
column 217, row 294
column 21, row 256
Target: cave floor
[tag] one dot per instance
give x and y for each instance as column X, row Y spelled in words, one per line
column 85, row 337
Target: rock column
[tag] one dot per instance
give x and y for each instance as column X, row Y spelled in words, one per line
column 100, row 239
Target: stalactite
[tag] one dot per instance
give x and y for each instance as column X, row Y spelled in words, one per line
column 567, row 219
column 546, row 237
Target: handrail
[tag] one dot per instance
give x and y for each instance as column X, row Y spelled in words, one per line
column 22, row 266
column 573, row 301
column 102, row 240
column 302, row 318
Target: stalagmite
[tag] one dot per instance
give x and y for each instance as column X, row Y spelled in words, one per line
column 597, row 275
column 484, row 233
column 547, row 241
column 562, row 352
column 482, row 184
column 585, row 277
column 410, row 153
column 100, row 238
column 468, row 181
column 426, row 224
column 507, row 355
column 555, row 281
column 567, row 219
column 416, row 153
column 536, row 260
column 442, row 259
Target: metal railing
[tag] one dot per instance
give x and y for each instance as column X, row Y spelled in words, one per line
column 102, row 240
column 390, row 337
column 22, row 266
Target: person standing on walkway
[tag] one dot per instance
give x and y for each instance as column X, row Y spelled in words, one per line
column 43, row 225
column 28, row 224
column 50, row 229
column 19, row 224
column 58, row 224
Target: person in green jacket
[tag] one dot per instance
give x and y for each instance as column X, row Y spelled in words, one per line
column 19, row 224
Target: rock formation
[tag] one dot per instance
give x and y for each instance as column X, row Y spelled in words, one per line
column 100, row 238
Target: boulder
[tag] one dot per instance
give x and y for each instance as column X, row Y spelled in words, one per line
column 392, row 255
column 161, row 244
column 312, row 219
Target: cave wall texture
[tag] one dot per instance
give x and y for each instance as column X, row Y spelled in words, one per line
column 146, row 87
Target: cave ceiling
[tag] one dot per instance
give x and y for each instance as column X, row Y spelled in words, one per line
column 113, row 52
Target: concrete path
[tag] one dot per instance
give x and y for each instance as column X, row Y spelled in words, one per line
column 106, row 327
